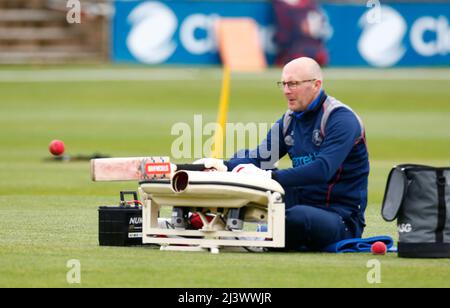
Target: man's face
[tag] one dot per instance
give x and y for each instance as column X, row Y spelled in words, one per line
column 300, row 90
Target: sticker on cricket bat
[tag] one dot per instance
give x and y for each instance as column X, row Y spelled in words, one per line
column 131, row 169
column 157, row 168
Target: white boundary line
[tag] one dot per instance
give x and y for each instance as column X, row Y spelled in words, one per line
column 82, row 75
column 181, row 74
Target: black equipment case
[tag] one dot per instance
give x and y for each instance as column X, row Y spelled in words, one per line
column 121, row 225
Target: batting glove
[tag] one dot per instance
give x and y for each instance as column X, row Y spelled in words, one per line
column 212, row 163
column 252, row 169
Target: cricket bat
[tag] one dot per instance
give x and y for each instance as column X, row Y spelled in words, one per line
column 136, row 168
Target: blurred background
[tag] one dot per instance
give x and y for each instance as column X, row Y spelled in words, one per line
column 372, row 33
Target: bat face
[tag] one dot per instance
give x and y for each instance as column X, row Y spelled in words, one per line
column 131, row 169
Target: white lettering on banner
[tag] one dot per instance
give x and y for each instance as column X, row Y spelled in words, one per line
column 205, row 23
column 440, row 30
column 319, row 24
column 380, row 44
column 267, row 38
column 374, row 14
column 151, row 37
column 193, row 23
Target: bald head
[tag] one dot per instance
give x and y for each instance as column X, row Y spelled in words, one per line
column 303, row 81
column 306, row 68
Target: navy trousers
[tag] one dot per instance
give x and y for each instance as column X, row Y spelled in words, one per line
column 310, row 228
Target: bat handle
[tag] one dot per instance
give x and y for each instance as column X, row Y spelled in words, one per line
column 191, row 167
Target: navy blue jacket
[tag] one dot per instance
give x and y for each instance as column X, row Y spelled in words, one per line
column 330, row 168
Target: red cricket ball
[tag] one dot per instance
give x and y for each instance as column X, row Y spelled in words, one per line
column 378, row 248
column 56, row 147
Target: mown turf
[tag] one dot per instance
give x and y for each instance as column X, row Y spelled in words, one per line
column 48, row 210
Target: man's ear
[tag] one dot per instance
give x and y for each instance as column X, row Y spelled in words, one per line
column 318, row 84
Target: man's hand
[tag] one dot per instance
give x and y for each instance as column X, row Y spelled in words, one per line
column 252, row 169
column 212, row 163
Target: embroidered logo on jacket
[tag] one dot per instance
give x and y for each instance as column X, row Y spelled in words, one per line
column 289, row 140
column 317, row 137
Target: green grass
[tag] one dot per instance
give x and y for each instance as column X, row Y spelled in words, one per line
column 48, row 210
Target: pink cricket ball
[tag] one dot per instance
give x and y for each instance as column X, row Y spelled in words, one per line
column 378, row 248
column 56, row 147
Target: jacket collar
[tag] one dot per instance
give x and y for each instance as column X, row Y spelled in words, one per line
column 313, row 107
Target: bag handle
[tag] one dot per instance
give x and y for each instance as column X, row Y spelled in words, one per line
column 395, row 193
column 416, row 167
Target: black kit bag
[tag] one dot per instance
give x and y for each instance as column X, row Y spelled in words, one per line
column 419, row 198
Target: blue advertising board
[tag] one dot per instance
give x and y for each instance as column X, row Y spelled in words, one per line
column 179, row 32
column 394, row 35
column 182, row 32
